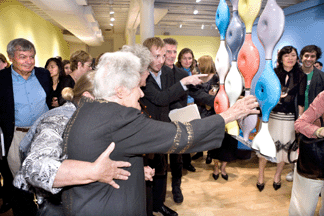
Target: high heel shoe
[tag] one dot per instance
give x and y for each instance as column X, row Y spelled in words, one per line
column 260, row 186
column 225, row 177
column 276, row 185
column 215, row 176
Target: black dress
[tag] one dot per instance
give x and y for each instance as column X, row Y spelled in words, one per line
column 228, row 150
column 66, row 81
column 95, row 124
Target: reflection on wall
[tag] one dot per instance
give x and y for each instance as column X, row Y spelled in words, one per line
column 16, row 21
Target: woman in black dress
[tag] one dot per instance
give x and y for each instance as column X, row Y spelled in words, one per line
column 54, row 65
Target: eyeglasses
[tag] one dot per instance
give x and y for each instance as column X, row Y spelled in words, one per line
column 88, row 64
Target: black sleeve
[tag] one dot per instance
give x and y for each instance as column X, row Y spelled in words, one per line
column 64, row 82
column 162, row 97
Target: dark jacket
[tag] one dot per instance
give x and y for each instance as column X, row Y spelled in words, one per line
column 97, row 123
column 7, row 110
column 316, row 85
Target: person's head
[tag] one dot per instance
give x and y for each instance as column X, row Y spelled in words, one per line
column 145, row 56
column 3, row 62
column 309, row 54
column 54, row 66
column 156, row 47
column 171, row 51
column 83, row 87
column 287, row 57
column 185, row 59
column 117, row 79
column 318, row 65
column 21, row 53
column 66, row 66
column 81, row 61
column 206, row 65
column 98, row 59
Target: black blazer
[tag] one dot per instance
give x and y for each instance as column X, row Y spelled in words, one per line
column 197, row 92
column 316, row 86
column 7, row 110
column 157, row 101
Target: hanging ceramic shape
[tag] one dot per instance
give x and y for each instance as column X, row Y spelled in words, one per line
column 222, row 61
column 234, row 39
column 268, row 89
column 234, row 81
column 248, row 58
column 248, row 124
column 235, row 4
column 248, row 11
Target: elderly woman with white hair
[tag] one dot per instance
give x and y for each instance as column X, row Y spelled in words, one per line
column 115, row 116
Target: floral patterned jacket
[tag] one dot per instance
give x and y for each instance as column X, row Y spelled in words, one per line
column 42, row 151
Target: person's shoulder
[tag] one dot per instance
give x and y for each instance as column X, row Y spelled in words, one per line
column 318, row 72
column 166, row 69
column 5, row 72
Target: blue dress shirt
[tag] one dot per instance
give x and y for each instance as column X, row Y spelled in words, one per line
column 29, row 99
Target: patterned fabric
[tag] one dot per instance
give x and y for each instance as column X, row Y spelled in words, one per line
column 281, row 128
column 43, row 147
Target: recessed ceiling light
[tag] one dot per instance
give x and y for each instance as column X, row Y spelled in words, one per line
column 202, row 26
column 195, row 11
column 198, row 1
column 180, row 26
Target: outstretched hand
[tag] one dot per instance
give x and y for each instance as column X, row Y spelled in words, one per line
column 193, row 80
column 107, row 170
column 240, row 109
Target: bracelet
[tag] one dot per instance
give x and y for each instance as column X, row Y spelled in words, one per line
column 318, row 131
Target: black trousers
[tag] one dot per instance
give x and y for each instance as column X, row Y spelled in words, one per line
column 176, row 165
column 186, row 158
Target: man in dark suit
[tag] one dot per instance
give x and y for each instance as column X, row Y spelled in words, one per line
column 25, row 94
column 176, row 160
column 162, row 89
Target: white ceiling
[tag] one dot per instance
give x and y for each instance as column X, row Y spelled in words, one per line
column 178, row 12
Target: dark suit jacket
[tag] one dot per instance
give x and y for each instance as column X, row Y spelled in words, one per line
column 157, row 101
column 7, row 110
column 197, row 92
column 316, row 85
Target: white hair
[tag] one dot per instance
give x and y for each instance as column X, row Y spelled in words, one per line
column 117, row 69
column 142, row 52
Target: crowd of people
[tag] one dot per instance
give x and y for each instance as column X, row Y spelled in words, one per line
column 83, row 135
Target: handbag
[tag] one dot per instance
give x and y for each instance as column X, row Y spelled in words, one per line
column 310, row 161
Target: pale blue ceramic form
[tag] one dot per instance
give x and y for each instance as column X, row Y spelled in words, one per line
column 268, row 90
column 222, row 18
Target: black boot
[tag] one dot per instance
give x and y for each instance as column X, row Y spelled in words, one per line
column 176, row 190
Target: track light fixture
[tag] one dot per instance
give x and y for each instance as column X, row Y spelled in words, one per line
column 112, row 17
column 111, row 10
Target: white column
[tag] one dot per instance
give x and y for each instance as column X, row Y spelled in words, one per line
column 131, row 34
column 147, row 19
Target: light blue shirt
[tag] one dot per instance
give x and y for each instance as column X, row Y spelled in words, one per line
column 190, row 99
column 157, row 78
column 29, row 99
